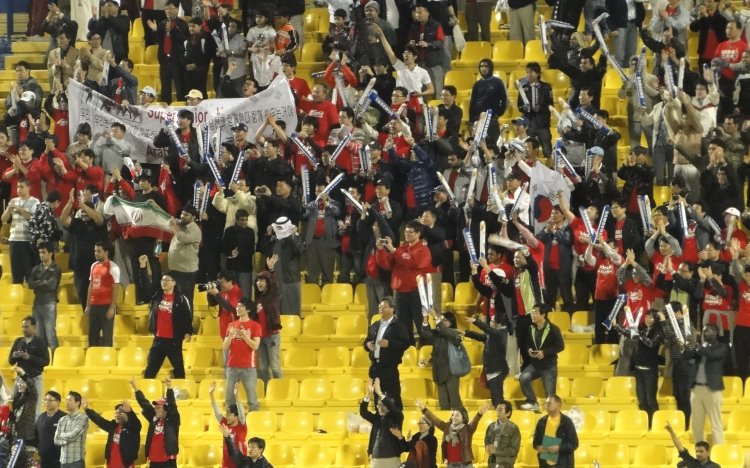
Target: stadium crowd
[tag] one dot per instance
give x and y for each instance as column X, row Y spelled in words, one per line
column 391, row 187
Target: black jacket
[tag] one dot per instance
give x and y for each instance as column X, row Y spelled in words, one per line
column 242, row 461
column 591, row 79
column 488, row 93
column 713, row 354
column 566, row 432
column 388, row 446
column 117, row 27
column 178, row 34
column 552, row 345
column 182, row 314
column 564, row 238
column 431, row 55
column 46, row 427
column 184, row 178
column 716, row 23
column 38, row 355
column 398, row 340
column 495, row 342
column 539, row 115
column 130, row 435
column 171, row 422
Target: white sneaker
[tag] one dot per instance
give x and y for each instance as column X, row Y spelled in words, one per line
column 529, row 406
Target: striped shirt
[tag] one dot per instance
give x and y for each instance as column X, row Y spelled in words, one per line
column 71, row 437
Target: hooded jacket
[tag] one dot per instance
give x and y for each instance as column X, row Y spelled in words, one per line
column 130, row 435
column 171, row 422
column 488, row 93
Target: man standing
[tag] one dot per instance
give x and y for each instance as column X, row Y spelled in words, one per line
column 386, row 342
column 123, row 434
column 227, row 294
column 162, row 440
column 112, row 147
column 46, row 426
column 171, row 35
column 240, row 343
column 321, row 237
column 488, row 93
column 238, row 246
column 555, row 437
column 702, row 458
column 104, row 279
column 29, row 352
column 44, row 281
column 234, row 422
column 539, row 95
column 729, row 52
column 170, row 319
column 708, row 384
column 18, row 212
column 182, row 257
column 71, row 433
column 545, row 343
column 384, row 446
column 288, row 246
column 503, row 438
column 410, row 259
column 427, row 36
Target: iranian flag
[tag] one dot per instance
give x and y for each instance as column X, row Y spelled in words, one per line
column 139, row 219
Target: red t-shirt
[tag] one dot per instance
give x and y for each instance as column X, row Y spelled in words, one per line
column 115, row 457
column 453, row 453
column 579, row 248
column 657, row 260
column 743, row 313
column 103, row 277
column 639, row 297
column 238, row 434
column 240, row 354
column 606, row 279
column 164, row 325
column 730, row 52
column 712, row 301
column 157, row 452
column 226, row 317
column 326, row 113
column 299, row 87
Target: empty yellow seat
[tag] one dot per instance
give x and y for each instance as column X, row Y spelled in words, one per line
column 335, row 298
column 738, row 426
column 473, row 53
column 675, row 417
column 313, row 392
column 614, row 455
column 150, row 56
column 596, row 424
column 650, row 455
column 466, row 298
column 99, row 361
column 572, row 359
column 413, row 388
column 264, row 424
column 298, row 362
column 601, row 359
column 360, row 362
column 68, row 360
column 533, row 53
column 316, row 328
column 281, row 455
column 463, row 80
column 297, row 425
column 205, row 455
column 281, row 392
column 619, row 391
column 351, row 455
column 115, row 389
column 561, row 319
column 310, row 295
column 585, row 390
column 360, row 298
column 131, row 360
column 351, row 329
column 151, row 388
column 333, row 360
column 291, row 327
column 331, row 426
column 347, row 392
column 584, row 455
column 631, row 425
column 507, row 54
column 728, row 455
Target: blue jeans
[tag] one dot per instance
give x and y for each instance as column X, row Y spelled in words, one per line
column 269, row 361
column 245, row 282
column 530, row 373
column 248, row 376
column 46, row 320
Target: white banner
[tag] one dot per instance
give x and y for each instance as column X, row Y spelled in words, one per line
column 143, row 124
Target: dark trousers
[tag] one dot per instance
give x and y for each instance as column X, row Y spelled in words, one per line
column 101, row 328
column 186, row 283
column 585, row 287
column 682, row 379
column 170, row 348
column 170, row 72
column 495, row 385
column 22, row 260
column 409, row 311
column 555, row 281
column 166, row 464
column 81, row 283
column 646, row 383
column 522, row 338
column 390, row 381
column 602, row 309
column 545, row 139
column 742, row 350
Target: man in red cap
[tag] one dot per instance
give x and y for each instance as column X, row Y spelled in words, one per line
column 162, row 444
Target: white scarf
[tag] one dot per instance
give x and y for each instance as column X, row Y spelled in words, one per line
column 283, row 228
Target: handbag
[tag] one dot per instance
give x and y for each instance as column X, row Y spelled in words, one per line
column 458, row 360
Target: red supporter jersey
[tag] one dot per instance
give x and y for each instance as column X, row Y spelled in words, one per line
column 240, row 354
column 238, row 434
column 164, row 324
column 103, row 277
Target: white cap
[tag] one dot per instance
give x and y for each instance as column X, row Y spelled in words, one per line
column 148, row 90
column 732, row 211
column 28, row 96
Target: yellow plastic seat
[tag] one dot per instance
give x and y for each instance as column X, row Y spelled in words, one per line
column 281, row 392
column 83, row 386
column 561, row 319
column 334, row 298
column 331, row 426
column 533, row 53
column 316, row 328
column 312, row 55
column 136, row 31
column 601, row 359
column 728, row 455
column 572, row 359
column 205, row 455
column 67, row 360
column 619, row 392
column 463, row 80
column 351, row 456
column 675, row 417
column 585, row 390
column 351, row 329
column 281, row 454
column 291, row 327
column 472, row 54
column 507, row 54
column 310, row 295
column 584, row 455
column 465, row 299
column 199, row 360
column 13, row 295
column 631, row 425
column 650, row 455
column 662, row 194
column 664, row 393
column 315, row 455
column 738, row 426
column 194, row 426
column 596, row 424
column 295, row 426
column 446, row 290
column 474, row 392
column 347, row 392
column 151, row 388
column 99, row 361
column 299, row 362
column 333, row 360
column 360, row 294
column 115, row 389
column 131, row 360
column 614, row 456
column 265, row 424
column 95, row 453
column 732, row 393
column 313, row 392
column 413, row 388
column 150, row 56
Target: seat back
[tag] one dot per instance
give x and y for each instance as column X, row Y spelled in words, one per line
column 347, row 388
column 650, row 455
column 69, row 356
column 351, row 325
column 333, row 356
column 582, row 387
column 351, row 455
column 100, row 358
column 282, row 389
column 728, row 455
column 631, row 421
column 318, row 325
column 332, row 422
column 298, row 422
column 620, row 386
column 337, row 294
column 314, row 389
column 291, row 325
column 296, row 357
column 614, row 454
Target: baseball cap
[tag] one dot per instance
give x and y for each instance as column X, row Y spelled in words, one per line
column 732, row 211
column 595, row 151
column 160, row 402
column 28, row 96
column 384, row 182
column 195, row 94
column 521, row 121
column 149, row 90
column 239, row 126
